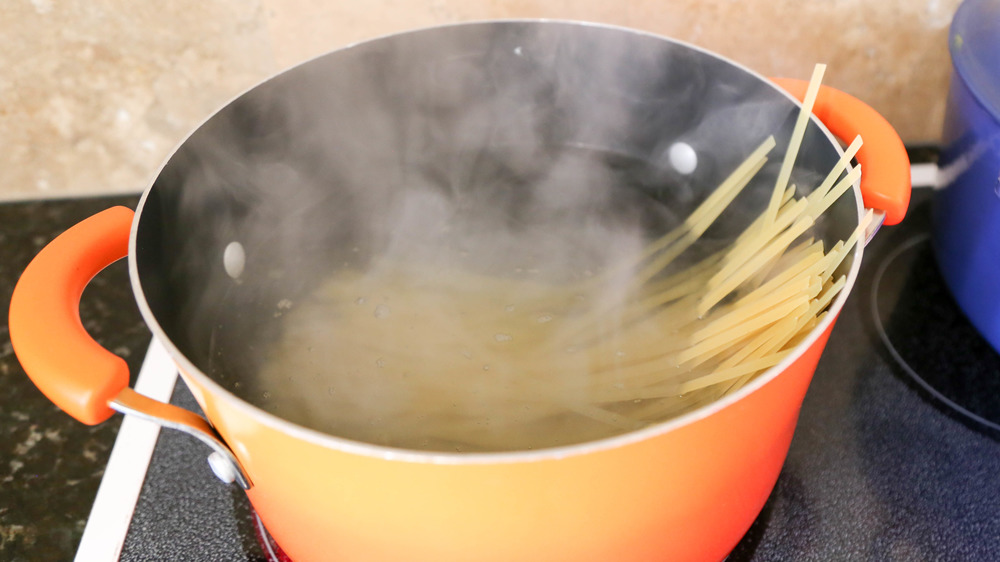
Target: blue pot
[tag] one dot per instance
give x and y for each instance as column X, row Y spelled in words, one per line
column 967, row 209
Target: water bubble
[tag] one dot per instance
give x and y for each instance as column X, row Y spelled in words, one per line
column 509, row 308
column 266, row 395
column 619, row 354
column 486, row 367
column 503, row 337
column 467, row 354
column 380, row 362
column 360, row 300
column 382, row 311
column 545, row 318
column 284, row 304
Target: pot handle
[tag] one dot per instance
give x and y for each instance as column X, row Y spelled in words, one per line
column 885, row 182
column 72, row 370
column 57, row 353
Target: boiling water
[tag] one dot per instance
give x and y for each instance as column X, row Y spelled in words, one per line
column 446, row 360
column 487, row 330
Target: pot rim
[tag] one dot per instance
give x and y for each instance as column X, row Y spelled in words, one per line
column 498, row 457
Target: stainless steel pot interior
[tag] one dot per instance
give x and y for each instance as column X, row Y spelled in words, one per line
column 303, row 169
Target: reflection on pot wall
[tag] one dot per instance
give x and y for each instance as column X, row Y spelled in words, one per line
column 96, row 94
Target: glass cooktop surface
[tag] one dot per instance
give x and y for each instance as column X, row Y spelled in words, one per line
column 895, row 457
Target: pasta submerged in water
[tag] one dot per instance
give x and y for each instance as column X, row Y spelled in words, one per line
column 483, row 363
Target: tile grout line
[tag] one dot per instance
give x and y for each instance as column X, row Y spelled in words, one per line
column 41, row 196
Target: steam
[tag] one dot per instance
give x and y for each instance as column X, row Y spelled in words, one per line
column 508, row 149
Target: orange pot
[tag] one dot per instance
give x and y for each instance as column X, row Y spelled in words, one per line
column 685, row 489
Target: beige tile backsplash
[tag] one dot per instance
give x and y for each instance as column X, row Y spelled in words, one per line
column 94, row 94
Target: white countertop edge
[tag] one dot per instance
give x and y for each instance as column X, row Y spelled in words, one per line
column 924, row 175
column 111, row 514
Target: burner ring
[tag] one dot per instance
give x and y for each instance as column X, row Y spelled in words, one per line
column 948, row 314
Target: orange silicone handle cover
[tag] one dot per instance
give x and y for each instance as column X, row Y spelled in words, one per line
column 62, row 359
column 885, row 167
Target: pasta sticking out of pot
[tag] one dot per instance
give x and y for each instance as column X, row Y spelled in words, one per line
column 517, row 363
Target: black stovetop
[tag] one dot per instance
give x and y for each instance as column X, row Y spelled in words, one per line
column 881, row 467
